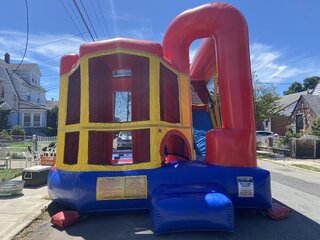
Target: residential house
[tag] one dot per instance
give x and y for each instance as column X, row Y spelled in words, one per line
column 52, row 104
column 279, row 123
column 22, row 94
column 298, row 110
column 305, row 112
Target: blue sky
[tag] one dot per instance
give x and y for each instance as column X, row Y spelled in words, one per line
column 284, row 35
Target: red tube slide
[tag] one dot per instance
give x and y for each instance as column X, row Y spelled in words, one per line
column 226, row 30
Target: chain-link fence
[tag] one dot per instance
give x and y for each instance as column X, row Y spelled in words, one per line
column 274, row 142
column 307, row 146
column 279, row 144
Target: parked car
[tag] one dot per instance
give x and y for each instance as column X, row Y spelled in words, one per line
column 123, row 141
column 262, row 136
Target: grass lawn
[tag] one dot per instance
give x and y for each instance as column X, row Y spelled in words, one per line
column 308, row 167
column 261, row 155
column 23, row 146
column 19, row 147
column 7, row 174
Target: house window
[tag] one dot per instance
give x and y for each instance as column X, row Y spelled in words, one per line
column 28, row 97
column 2, row 91
column 299, row 123
column 36, row 119
column 27, row 119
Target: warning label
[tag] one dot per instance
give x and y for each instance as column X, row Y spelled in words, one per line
column 116, row 188
column 245, row 187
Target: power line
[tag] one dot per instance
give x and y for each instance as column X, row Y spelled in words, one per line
column 275, row 83
column 84, row 21
column 105, row 22
column 46, row 43
column 95, row 12
column 49, row 75
column 72, row 19
column 50, row 58
column 76, row 16
column 26, row 47
column 94, row 31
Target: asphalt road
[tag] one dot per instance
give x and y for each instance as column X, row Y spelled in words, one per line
column 298, row 189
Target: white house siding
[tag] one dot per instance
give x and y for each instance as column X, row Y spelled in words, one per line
column 17, row 87
column 13, row 118
column 316, row 90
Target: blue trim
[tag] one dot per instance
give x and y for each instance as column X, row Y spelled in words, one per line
column 78, row 189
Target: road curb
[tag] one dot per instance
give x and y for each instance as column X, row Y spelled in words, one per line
column 25, row 222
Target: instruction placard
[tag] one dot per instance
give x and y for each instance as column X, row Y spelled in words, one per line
column 116, row 188
column 245, row 187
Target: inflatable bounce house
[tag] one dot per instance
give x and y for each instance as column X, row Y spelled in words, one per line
column 138, row 128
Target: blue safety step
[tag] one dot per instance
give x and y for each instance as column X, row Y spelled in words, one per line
column 192, row 208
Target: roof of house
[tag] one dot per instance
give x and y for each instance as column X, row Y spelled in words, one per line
column 8, row 73
column 30, row 105
column 316, row 90
column 23, row 67
column 52, row 103
column 287, row 100
column 3, row 73
column 313, row 102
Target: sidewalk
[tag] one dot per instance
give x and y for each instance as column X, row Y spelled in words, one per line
column 287, row 161
column 18, row 212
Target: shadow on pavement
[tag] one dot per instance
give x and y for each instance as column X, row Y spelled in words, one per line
column 250, row 224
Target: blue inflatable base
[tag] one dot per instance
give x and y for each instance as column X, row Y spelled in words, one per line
column 245, row 187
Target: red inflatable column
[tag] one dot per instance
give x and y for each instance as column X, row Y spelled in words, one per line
column 234, row 143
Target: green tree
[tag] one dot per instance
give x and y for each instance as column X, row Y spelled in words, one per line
column 266, row 101
column 310, row 82
column 315, row 127
column 52, row 117
column 18, row 133
column 4, row 136
column 52, row 121
column 295, row 87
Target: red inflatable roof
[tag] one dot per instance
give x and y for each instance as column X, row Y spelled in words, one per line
column 69, row 61
column 140, row 45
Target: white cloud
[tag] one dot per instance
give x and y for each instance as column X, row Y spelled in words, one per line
column 14, row 43
column 127, row 26
column 277, row 66
column 270, row 64
column 46, row 55
column 192, row 53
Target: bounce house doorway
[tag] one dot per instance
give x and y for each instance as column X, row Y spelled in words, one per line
column 174, row 147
